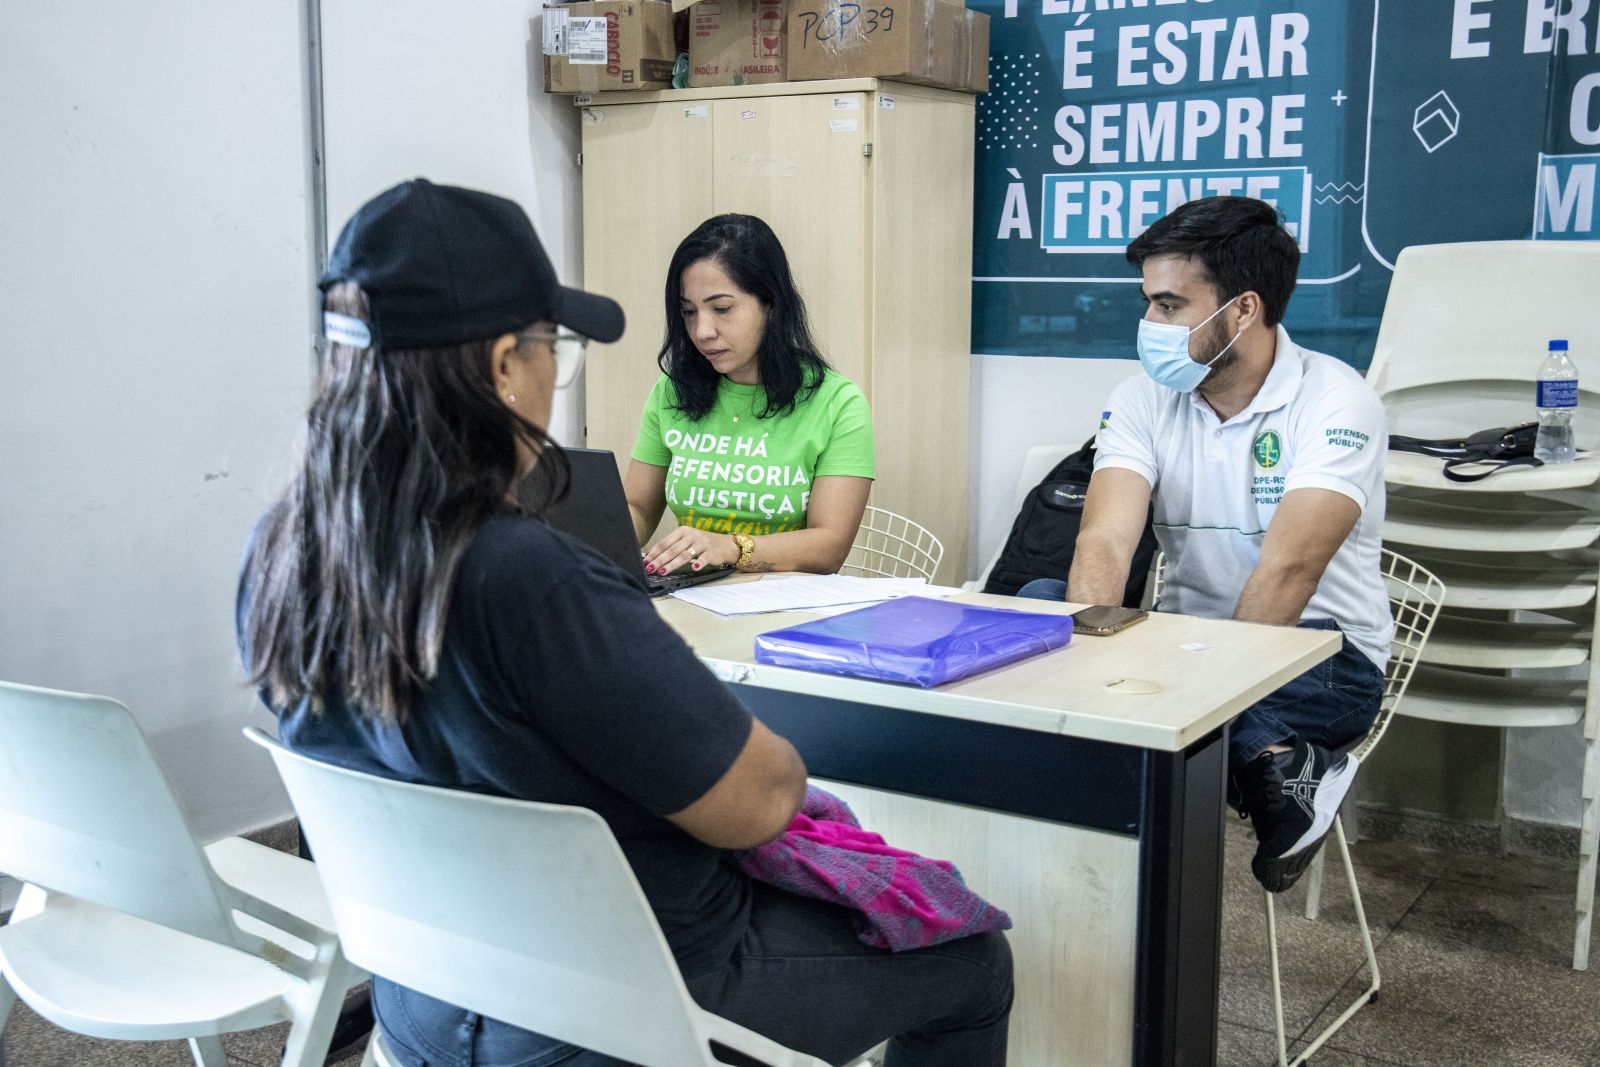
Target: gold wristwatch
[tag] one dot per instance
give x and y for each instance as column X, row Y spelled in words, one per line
column 747, row 549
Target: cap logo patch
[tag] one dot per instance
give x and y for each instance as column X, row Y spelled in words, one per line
column 344, row 330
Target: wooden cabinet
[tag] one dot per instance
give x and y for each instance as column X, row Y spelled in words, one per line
column 868, row 185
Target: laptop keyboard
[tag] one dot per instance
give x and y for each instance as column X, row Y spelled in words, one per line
column 662, row 584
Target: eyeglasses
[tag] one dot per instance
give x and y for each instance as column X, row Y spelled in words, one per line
column 569, row 349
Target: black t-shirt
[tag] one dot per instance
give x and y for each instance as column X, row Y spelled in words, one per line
column 559, row 683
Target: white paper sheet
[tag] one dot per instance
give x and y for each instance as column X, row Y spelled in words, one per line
column 812, row 592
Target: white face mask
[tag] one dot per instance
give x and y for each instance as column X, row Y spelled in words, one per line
column 1164, row 353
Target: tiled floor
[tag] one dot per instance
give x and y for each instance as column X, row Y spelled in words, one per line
column 1475, row 954
column 32, row 1042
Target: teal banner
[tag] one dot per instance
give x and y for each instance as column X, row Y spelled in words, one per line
column 1370, row 125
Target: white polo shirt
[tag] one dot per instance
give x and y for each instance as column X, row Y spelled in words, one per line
column 1314, row 424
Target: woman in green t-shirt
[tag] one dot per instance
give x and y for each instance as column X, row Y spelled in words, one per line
column 762, row 451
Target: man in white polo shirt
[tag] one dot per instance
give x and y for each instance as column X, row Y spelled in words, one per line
column 1261, row 466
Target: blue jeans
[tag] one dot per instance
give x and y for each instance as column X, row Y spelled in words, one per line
column 799, row 977
column 1330, row 705
column 1044, row 589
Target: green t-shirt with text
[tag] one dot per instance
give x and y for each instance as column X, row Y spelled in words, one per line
column 732, row 472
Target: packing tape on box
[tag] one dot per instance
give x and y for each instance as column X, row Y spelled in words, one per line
column 965, row 45
column 961, row 62
column 969, row 40
column 976, row 58
column 588, row 77
column 574, row 79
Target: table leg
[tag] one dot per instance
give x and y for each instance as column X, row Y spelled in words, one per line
column 1180, row 905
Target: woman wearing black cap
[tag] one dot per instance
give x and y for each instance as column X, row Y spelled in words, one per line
column 403, row 617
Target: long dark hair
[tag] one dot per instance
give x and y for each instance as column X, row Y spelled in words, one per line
column 347, row 584
column 788, row 361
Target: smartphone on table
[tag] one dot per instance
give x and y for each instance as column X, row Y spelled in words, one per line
column 1102, row 620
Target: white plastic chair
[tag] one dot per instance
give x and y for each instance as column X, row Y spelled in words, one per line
column 1415, row 597
column 524, row 912
column 1158, row 579
column 889, row 545
column 126, row 929
column 1035, row 465
column 1449, row 360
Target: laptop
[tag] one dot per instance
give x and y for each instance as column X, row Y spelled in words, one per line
column 595, row 511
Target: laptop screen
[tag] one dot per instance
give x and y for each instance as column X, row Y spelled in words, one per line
column 595, row 511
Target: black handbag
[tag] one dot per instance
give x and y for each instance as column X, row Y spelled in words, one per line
column 1496, row 449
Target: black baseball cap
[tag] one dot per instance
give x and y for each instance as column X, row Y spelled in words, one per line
column 442, row 265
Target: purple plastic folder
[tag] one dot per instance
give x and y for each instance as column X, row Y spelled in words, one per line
column 914, row 640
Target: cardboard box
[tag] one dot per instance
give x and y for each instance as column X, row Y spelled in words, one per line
column 735, row 42
column 931, row 42
column 601, row 46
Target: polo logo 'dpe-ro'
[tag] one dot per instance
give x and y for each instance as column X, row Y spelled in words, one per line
column 1268, row 449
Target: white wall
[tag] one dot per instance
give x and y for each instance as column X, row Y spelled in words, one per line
column 1543, row 776
column 452, row 93
column 154, row 362
column 156, row 271
column 1019, row 402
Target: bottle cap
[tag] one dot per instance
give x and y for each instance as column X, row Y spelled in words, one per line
column 1558, row 346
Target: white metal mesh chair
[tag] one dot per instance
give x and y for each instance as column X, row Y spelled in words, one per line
column 889, row 545
column 1415, row 597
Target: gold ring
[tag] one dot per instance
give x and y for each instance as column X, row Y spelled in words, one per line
column 693, row 553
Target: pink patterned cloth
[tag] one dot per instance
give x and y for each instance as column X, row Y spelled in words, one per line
column 902, row 900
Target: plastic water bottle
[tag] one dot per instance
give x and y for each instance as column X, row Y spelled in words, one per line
column 1557, row 400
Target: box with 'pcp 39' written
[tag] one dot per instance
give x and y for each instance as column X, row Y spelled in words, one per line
column 931, row 42
column 602, row 46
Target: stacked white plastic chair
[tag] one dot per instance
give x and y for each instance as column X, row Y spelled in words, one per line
column 1464, row 330
column 527, row 913
column 126, row 928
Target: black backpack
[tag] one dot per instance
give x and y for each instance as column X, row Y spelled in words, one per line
column 1046, row 531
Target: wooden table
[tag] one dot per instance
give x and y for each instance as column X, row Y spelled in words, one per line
column 1082, row 791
